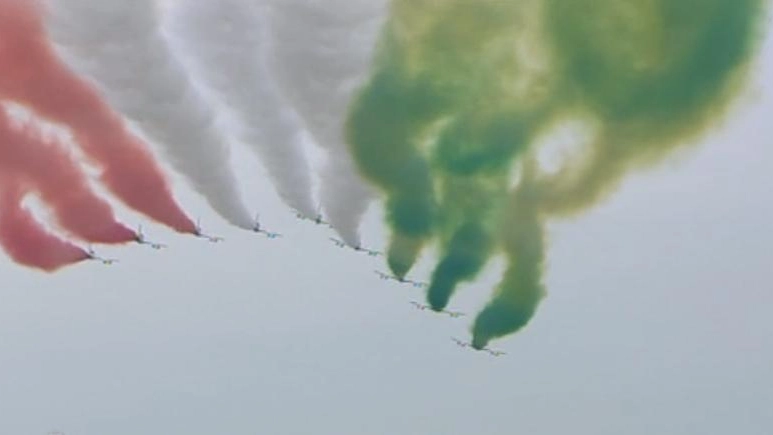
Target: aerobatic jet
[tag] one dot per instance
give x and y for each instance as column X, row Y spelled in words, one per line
column 386, row 276
column 198, row 233
column 358, row 248
column 317, row 219
column 423, row 307
column 91, row 255
column 460, row 343
column 140, row 238
column 494, row 353
column 419, row 306
column 258, row 229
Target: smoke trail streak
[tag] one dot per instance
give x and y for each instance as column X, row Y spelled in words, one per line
column 32, row 75
column 521, row 289
column 119, row 45
column 47, row 168
column 226, row 42
column 462, row 88
column 321, row 54
column 383, row 123
column 468, row 227
column 24, row 240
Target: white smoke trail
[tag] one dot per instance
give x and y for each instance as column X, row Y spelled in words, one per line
column 118, row 45
column 225, row 42
column 321, row 53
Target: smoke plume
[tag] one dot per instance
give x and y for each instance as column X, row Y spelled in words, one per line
column 320, row 54
column 44, row 165
column 34, row 76
column 120, row 46
column 461, row 90
column 226, row 43
column 24, row 239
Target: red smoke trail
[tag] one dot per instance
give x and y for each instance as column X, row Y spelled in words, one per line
column 46, row 167
column 24, row 239
column 32, row 74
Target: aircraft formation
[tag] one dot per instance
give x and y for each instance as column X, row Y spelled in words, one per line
column 141, row 239
column 397, row 115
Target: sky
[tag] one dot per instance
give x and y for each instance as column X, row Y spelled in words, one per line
column 656, row 321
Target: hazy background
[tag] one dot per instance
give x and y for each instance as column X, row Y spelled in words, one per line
column 658, row 321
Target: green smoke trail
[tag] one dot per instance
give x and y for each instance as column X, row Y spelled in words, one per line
column 469, row 212
column 437, row 126
column 521, row 289
column 461, row 88
column 385, row 125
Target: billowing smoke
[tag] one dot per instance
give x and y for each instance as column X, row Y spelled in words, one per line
column 45, row 167
column 120, row 46
column 33, row 76
column 439, row 105
column 320, row 54
column 26, row 240
column 226, row 43
column 461, row 90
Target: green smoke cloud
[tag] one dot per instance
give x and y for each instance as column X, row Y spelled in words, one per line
column 461, row 89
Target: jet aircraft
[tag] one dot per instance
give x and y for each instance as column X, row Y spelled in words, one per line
column 358, row 248
column 386, row 276
column 198, row 233
column 460, row 343
column 317, row 219
column 140, row 238
column 465, row 344
column 424, row 307
column 91, row 255
column 258, row 229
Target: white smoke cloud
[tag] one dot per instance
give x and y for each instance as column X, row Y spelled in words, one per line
column 224, row 42
column 119, row 46
column 320, row 54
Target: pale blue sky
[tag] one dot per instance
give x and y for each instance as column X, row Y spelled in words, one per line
column 657, row 322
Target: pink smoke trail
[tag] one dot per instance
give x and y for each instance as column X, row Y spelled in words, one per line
column 33, row 75
column 25, row 241
column 47, row 168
